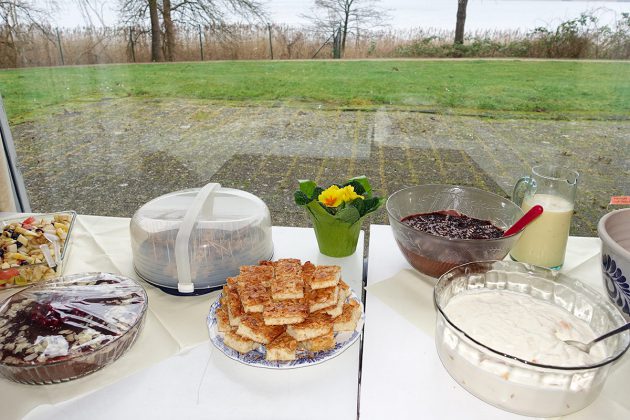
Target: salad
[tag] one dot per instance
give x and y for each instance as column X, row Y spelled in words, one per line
column 30, row 249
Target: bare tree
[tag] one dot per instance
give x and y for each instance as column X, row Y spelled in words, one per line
column 17, row 17
column 209, row 13
column 156, row 52
column 92, row 11
column 461, row 21
column 169, row 31
column 98, row 36
column 350, row 17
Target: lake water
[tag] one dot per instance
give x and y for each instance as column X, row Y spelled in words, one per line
column 481, row 14
column 440, row 14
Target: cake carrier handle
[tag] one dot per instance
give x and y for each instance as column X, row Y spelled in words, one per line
column 203, row 200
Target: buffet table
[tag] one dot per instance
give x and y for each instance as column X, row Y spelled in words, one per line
column 401, row 374
column 173, row 371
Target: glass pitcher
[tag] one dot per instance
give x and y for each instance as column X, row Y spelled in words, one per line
column 544, row 241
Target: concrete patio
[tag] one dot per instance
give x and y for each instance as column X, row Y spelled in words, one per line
column 110, row 157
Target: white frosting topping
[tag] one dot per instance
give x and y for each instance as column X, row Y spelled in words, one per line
column 54, row 345
column 522, row 326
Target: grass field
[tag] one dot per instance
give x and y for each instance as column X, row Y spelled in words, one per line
column 531, row 89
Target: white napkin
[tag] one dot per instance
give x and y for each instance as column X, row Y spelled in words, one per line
column 410, row 294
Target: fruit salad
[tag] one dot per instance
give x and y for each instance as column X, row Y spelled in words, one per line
column 31, row 249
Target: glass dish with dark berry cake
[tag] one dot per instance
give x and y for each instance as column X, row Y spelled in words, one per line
column 69, row 327
column 438, row 227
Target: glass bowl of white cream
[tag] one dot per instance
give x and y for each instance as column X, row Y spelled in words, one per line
column 500, row 334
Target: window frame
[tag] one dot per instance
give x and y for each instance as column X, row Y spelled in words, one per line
column 12, row 174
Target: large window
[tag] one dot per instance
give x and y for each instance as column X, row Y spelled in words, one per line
column 107, row 131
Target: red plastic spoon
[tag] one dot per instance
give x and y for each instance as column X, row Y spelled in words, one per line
column 527, row 218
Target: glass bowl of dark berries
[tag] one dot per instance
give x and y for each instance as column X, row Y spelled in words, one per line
column 69, row 327
column 438, row 227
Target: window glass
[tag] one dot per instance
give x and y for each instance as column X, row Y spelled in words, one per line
column 100, row 129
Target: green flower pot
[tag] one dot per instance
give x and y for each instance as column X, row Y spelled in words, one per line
column 335, row 237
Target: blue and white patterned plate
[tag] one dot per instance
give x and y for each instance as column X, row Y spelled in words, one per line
column 304, row 358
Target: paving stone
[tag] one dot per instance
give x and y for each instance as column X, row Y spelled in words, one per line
column 112, row 156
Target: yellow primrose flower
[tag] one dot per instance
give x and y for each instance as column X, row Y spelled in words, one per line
column 347, row 194
column 331, row 197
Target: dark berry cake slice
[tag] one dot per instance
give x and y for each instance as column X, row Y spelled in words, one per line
column 69, row 327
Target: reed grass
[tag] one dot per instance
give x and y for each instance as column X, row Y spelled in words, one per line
column 581, row 37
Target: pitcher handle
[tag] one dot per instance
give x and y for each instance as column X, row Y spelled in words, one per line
column 521, row 188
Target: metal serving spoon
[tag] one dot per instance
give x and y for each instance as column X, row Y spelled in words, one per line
column 586, row 347
column 54, row 240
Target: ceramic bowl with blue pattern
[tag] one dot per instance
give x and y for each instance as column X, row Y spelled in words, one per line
column 614, row 231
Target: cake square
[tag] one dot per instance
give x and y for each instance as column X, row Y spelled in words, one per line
column 308, row 269
column 253, row 327
column 287, row 262
column 239, row 343
column 288, row 266
column 286, row 306
column 235, row 308
column 314, row 326
column 282, row 348
column 223, row 319
column 287, row 286
column 223, row 300
column 325, row 276
column 261, row 273
column 348, row 319
column 290, row 311
column 254, row 295
column 344, row 293
column 321, row 298
column 344, row 289
column 323, row 342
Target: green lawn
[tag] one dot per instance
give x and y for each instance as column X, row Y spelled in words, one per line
column 546, row 89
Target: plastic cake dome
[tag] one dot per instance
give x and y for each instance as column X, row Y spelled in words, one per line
column 190, row 241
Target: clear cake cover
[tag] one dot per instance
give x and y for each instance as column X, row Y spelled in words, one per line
column 193, row 240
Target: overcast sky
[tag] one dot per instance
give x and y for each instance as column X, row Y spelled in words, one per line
column 482, row 14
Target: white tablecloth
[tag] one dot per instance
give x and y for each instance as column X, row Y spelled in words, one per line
column 402, row 376
column 187, row 377
column 173, row 371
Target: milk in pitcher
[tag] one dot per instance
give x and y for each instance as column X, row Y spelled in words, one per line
column 544, row 241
